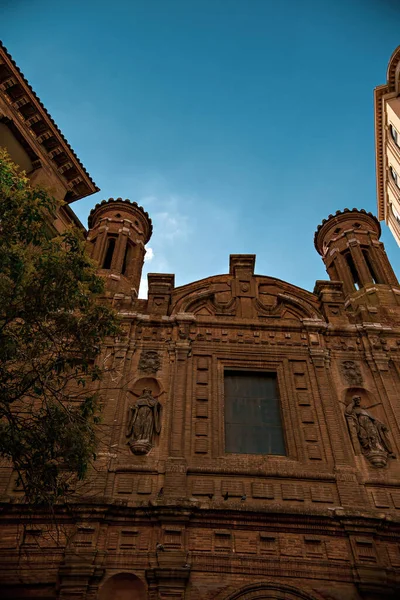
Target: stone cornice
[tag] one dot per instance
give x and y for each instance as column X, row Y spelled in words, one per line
column 32, row 118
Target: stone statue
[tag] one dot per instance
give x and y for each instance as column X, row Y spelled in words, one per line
column 144, row 421
column 371, row 433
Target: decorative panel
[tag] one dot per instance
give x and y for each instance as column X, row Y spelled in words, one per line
column 321, row 493
column 124, row 484
column 292, row 491
column 200, row 540
column 365, row 550
column 381, row 499
column 173, row 537
column 291, row 546
column 128, row 539
column 201, row 445
column 145, row 485
column 232, row 487
column 203, row 487
column 396, row 498
column 314, row 547
column 222, row 540
column 201, row 408
column 262, row 490
column 245, row 542
column 269, row 544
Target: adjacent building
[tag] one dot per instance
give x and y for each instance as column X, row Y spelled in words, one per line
column 36, row 144
column 250, row 443
column 387, row 141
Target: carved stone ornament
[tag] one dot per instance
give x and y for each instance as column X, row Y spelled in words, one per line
column 371, row 433
column 149, row 362
column 143, row 423
column 351, row 372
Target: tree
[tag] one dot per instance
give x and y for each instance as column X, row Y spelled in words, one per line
column 52, row 325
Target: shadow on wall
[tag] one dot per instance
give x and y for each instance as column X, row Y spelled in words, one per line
column 124, row 586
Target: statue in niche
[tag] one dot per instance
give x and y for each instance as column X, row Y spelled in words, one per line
column 371, row 433
column 351, row 372
column 149, row 361
column 144, row 421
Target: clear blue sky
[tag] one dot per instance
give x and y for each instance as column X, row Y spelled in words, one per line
column 238, row 124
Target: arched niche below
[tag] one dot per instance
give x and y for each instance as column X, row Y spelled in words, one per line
column 143, row 383
column 367, row 397
column 124, row 586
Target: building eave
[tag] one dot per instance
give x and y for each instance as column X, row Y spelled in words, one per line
column 32, row 115
column 379, row 154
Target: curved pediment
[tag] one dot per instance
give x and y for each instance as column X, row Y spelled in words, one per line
column 259, row 297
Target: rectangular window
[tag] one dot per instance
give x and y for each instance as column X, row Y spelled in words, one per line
column 252, row 414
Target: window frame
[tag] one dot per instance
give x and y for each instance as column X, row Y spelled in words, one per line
column 394, row 134
column 272, row 375
column 291, row 425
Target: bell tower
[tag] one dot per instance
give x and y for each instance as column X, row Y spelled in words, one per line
column 118, row 232
column 352, row 252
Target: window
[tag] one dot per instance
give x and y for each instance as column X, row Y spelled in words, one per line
column 109, row 253
column 252, row 414
column 394, row 134
column 353, row 270
column 395, row 177
column 127, row 257
column 370, row 266
column 395, row 213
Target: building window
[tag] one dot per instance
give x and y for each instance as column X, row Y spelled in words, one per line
column 395, row 213
column 253, row 422
column 394, row 134
column 109, row 252
column 395, row 177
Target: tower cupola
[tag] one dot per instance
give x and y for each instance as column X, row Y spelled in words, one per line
column 350, row 248
column 118, row 232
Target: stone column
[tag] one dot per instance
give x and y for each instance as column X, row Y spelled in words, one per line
column 176, row 465
column 346, row 476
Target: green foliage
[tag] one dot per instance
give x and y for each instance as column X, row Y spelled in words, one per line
column 51, row 329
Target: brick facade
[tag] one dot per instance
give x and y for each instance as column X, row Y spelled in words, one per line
column 175, row 516
column 167, row 513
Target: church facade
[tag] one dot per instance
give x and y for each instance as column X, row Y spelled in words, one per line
column 249, row 440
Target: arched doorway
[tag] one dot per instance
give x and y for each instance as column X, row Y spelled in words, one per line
column 271, row 591
column 124, row 586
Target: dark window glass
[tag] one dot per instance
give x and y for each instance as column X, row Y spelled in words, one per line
column 109, row 254
column 395, row 177
column 252, row 414
column 395, row 136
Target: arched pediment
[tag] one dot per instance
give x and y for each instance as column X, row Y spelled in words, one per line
column 260, row 298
